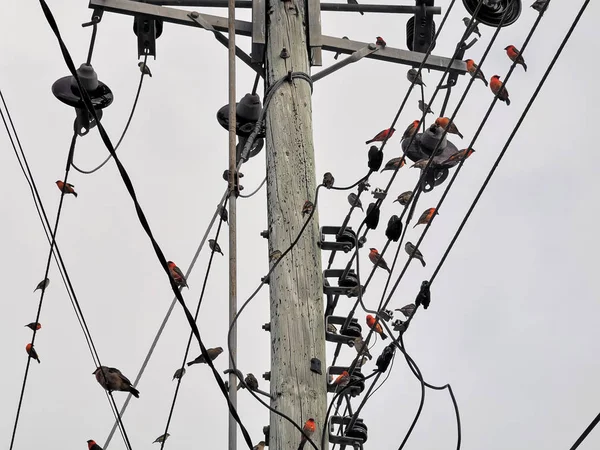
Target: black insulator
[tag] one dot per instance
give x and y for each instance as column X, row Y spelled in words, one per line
column 353, row 329
column 350, row 280
column 385, row 358
column 424, row 296
column 375, row 158
column 372, row 217
column 394, row 228
column 491, row 13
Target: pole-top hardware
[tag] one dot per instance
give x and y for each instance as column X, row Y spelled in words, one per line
column 267, row 326
column 315, row 365
column 284, row 54
column 265, row 234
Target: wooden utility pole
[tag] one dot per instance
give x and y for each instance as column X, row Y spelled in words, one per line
column 296, row 285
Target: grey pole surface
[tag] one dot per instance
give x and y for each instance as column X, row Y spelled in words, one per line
column 296, row 285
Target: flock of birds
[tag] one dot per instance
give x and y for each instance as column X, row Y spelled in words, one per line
column 112, row 379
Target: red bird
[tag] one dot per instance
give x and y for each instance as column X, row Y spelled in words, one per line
column 343, row 379
column 426, row 216
column 309, row 428
column 460, row 155
column 66, row 188
column 93, row 446
column 472, row 69
column 498, row 88
column 381, row 41
column 34, row 326
column 382, row 135
column 411, row 130
column 444, row 122
column 32, row 353
column 376, row 327
column 377, row 260
column 515, row 55
column 177, row 275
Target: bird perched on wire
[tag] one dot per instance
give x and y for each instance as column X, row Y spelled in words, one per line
column 361, row 347
column 411, row 130
column 34, row 326
column 212, row 354
column 424, row 106
column 421, row 164
column 426, row 216
column 473, row 28
column 381, row 42
column 451, row 128
column 375, row 158
column 179, row 373
column 112, row 379
column 144, row 69
column 355, row 201
column 307, row 208
column 378, row 260
column 354, row 2
column 331, row 328
column 214, row 246
column 66, row 188
column 261, row 444
column 42, row 284
column 404, row 198
column 337, row 55
column 376, row 327
column 343, row 379
column 414, row 76
column 177, row 274
column 539, row 5
column 32, row 353
column 394, row 163
column 251, row 383
column 328, row 180
column 274, row 256
column 472, row 69
column 162, row 438
column 309, row 428
column 498, row 88
column 515, row 55
column 382, row 135
column 223, row 214
column 414, row 251
column 459, row 156
column 92, row 445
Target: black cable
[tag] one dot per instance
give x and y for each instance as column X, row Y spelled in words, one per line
column 92, row 42
column 512, row 135
column 141, row 215
column 137, row 96
column 587, row 431
column 255, row 85
column 24, row 165
column 187, row 348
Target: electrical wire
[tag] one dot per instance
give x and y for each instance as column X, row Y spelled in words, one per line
column 24, row 165
column 587, row 431
column 255, row 190
column 137, row 96
column 141, row 216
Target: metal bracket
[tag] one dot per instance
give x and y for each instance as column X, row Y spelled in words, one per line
column 357, row 386
column 356, row 56
column 345, row 335
column 315, row 40
column 315, row 366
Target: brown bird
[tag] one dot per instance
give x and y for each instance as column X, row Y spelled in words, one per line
column 112, row 379
column 34, row 326
column 223, row 214
column 250, row 381
column 261, row 444
column 162, row 438
column 378, row 260
column 32, row 353
column 498, row 88
column 212, row 354
column 66, row 188
column 380, row 41
column 42, row 284
column 214, row 246
column 361, row 347
column 382, row 135
column 177, row 274
column 404, row 198
column 515, row 55
column 179, row 373
column 328, row 180
column 422, row 163
column 460, row 155
column 426, row 216
column 414, row 251
column 275, row 255
column 307, row 208
column 394, row 163
column 93, row 446
column 355, row 201
column 444, row 122
column 411, row 130
column 472, row 69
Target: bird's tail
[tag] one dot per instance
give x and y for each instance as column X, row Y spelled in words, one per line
column 507, row 102
column 388, row 269
column 302, row 442
column 361, row 13
column 485, row 81
column 383, row 336
column 422, row 262
column 75, row 193
column 369, row 141
column 38, row 360
column 190, row 363
column 459, row 134
column 524, row 65
column 134, row 392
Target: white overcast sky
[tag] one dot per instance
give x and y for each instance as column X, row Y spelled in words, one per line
column 513, row 321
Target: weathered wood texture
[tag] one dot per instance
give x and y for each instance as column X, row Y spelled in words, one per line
column 296, row 286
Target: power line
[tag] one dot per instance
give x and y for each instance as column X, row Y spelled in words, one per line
column 587, row 431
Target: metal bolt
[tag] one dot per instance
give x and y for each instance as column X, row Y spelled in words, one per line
column 267, row 326
column 267, row 376
column 195, row 14
column 265, row 234
column 284, row 53
column 265, row 279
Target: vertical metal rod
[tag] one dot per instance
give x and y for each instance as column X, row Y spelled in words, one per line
column 232, row 224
